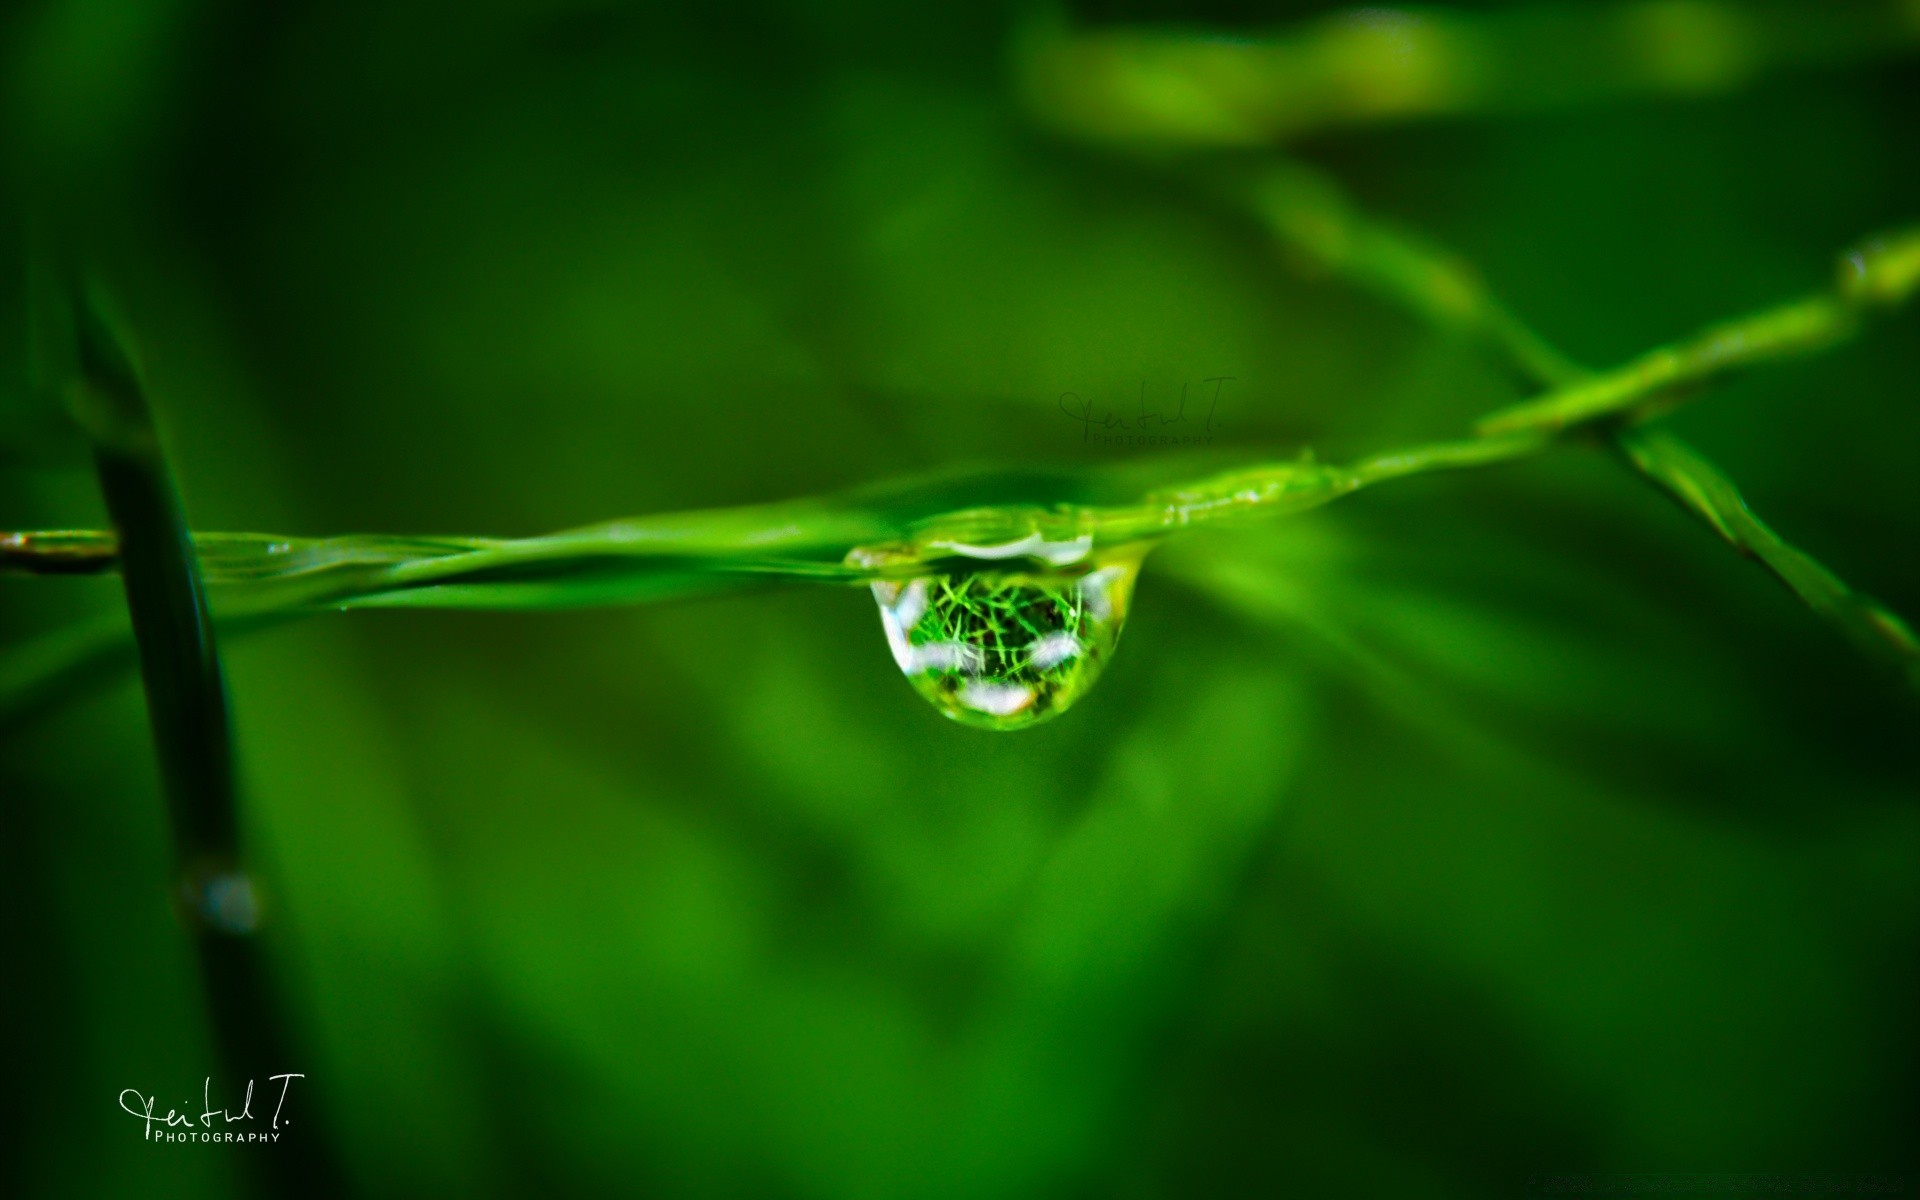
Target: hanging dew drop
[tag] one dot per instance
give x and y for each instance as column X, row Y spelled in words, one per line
column 1003, row 637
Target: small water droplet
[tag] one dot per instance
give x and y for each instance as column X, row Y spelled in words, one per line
column 220, row 897
column 1002, row 641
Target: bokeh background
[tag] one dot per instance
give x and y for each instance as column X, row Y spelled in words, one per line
column 1476, row 827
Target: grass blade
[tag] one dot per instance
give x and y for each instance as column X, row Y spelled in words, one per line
column 1704, row 491
column 187, row 705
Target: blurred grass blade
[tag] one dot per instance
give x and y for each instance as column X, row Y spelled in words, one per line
column 1884, row 273
column 187, row 706
column 186, row 693
column 1171, row 87
column 1309, row 214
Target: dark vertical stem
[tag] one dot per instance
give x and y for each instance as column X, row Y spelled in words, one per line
column 187, row 705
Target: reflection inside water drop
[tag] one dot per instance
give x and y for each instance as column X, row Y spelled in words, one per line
column 1000, row 642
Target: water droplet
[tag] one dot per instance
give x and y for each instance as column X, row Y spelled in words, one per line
column 220, row 897
column 1002, row 640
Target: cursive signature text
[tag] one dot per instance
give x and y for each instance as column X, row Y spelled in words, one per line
column 1109, row 426
column 178, row 1125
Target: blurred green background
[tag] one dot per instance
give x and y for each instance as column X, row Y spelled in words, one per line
column 1476, row 827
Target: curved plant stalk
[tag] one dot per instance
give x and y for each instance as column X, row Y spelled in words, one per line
column 1659, row 376
column 257, row 580
column 187, row 705
column 1311, row 216
column 1704, row 491
column 649, row 558
column 258, row 577
column 1156, row 91
column 179, row 665
column 1881, row 274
